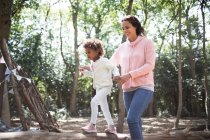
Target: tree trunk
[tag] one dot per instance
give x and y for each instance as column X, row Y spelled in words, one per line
column 5, row 18
column 128, row 12
column 5, row 116
column 149, row 110
column 59, row 98
column 192, row 67
column 145, row 9
column 73, row 101
column 98, row 26
column 5, row 25
column 121, row 112
column 4, row 103
column 179, row 70
column 203, row 4
column 2, row 77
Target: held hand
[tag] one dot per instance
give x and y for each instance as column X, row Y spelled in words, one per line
column 124, row 78
column 116, row 78
column 84, row 68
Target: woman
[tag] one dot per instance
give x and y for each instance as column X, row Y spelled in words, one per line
column 136, row 57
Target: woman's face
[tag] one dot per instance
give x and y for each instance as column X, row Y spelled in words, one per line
column 91, row 54
column 129, row 30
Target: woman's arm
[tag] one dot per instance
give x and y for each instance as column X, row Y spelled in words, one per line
column 149, row 63
column 115, row 59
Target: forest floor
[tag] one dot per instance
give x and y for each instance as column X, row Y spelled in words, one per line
column 153, row 129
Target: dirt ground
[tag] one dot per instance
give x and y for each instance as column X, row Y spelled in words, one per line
column 153, row 129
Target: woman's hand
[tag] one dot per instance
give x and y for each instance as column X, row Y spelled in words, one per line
column 122, row 79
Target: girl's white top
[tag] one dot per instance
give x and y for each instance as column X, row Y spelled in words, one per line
column 102, row 71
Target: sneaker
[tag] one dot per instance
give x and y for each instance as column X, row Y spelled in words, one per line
column 111, row 129
column 90, row 128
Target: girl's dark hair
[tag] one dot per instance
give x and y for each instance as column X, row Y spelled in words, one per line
column 135, row 23
column 94, row 44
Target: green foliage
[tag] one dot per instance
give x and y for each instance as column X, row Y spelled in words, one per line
column 166, row 78
column 35, row 45
column 18, row 5
column 85, row 93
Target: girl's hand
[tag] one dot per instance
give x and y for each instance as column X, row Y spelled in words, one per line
column 116, row 78
column 81, row 72
column 84, row 68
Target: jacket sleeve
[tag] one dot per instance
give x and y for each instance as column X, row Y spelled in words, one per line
column 115, row 71
column 112, row 67
column 149, row 65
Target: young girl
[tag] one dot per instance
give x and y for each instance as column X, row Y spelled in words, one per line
column 101, row 71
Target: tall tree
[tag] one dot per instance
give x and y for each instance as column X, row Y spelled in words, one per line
column 179, row 68
column 121, row 112
column 75, row 11
column 59, row 99
column 5, row 18
column 5, row 25
column 194, row 87
column 203, row 4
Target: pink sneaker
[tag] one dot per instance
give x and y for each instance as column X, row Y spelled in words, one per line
column 90, row 128
column 111, row 129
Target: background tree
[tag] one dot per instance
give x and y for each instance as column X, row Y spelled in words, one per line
column 179, row 68
column 189, row 29
column 5, row 25
column 43, row 43
column 203, row 4
column 75, row 9
column 121, row 113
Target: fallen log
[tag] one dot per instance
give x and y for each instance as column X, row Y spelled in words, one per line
column 71, row 135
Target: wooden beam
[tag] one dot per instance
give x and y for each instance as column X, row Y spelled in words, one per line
column 8, row 61
column 2, row 71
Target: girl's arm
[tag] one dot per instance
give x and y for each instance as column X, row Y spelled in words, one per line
column 86, row 71
column 109, row 65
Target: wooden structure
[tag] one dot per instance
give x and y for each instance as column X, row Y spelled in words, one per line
column 26, row 93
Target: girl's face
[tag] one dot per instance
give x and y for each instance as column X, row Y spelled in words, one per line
column 129, row 30
column 92, row 54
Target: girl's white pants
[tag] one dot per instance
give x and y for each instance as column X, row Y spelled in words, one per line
column 101, row 99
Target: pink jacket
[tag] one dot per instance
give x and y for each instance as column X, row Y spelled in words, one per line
column 138, row 59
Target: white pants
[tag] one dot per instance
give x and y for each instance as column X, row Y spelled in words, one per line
column 101, row 99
